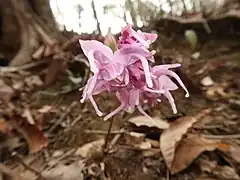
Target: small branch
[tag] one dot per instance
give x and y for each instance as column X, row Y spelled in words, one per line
column 6, row 170
column 116, row 138
column 23, row 67
column 231, row 136
column 57, row 122
column 104, row 132
column 19, row 159
column 105, row 147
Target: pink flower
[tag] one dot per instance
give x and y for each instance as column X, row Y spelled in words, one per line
column 127, row 73
column 130, row 36
column 100, row 59
column 162, row 74
column 131, row 54
column 129, row 99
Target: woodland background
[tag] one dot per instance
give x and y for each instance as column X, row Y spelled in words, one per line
column 46, row 133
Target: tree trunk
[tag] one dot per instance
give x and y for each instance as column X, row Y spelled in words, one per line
column 96, row 17
column 184, row 6
column 171, row 6
column 133, row 12
column 27, row 25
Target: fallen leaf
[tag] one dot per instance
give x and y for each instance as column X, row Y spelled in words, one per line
column 5, row 127
column 34, row 137
column 189, row 149
column 6, row 92
column 18, row 84
column 226, row 172
column 73, row 171
column 144, row 121
column 234, row 152
column 33, row 80
column 206, row 177
column 28, row 115
column 219, row 91
column 87, row 150
column 195, row 55
column 144, row 145
column 151, row 152
column 207, row 81
column 46, row 109
column 57, row 153
column 221, row 172
column 154, row 143
column 170, row 137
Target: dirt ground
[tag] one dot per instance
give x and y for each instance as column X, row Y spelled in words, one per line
column 76, row 134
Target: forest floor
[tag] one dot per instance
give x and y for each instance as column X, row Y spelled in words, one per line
column 204, row 144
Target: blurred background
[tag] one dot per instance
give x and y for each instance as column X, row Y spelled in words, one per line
column 46, row 131
column 105, row 16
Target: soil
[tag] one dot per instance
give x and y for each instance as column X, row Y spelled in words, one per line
column 219, row 59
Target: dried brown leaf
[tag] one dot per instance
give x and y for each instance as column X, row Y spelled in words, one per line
column 46, row 109
column 207, row 81
column 144, row 121
column 5, row 127
column 34, row 137
column 190, row 148
column 170, row 137
column 6, row 92
column 55, row 67
column 87, row 150
column 234, row 152
column 221, row 172
column 226, row 172
column 33, row 81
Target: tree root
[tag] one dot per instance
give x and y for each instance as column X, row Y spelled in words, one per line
column 37, row 38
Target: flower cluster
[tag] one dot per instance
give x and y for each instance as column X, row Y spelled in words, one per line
column 127, row 73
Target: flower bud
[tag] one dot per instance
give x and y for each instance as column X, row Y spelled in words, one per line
column 110, row 41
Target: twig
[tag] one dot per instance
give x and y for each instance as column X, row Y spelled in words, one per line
column 6, row 170
column 167, row 174
column 116, row 138
column 61, row 92
column 137, row 148
column 60, row 159
column 104, row 132
column 230, row 136
column 23, row 67
column 62, row 117
column 19, row 159
column 70, row 42
column 79, row 117
column 105, row 147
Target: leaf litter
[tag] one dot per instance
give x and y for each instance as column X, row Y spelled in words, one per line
column 124, row 160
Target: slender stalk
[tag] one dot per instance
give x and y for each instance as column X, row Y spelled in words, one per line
column 105, row 147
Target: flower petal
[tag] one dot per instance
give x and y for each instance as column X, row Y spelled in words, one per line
column 97, row 53
column 166, row 83
column 171, row 101
column 145, row 69
column 99, row 113
column 111, row 71
column 162, row 71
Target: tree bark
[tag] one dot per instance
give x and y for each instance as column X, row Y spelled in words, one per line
column 96, row 17
column 184, row 6
column 133, row 12
column 32, row 26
